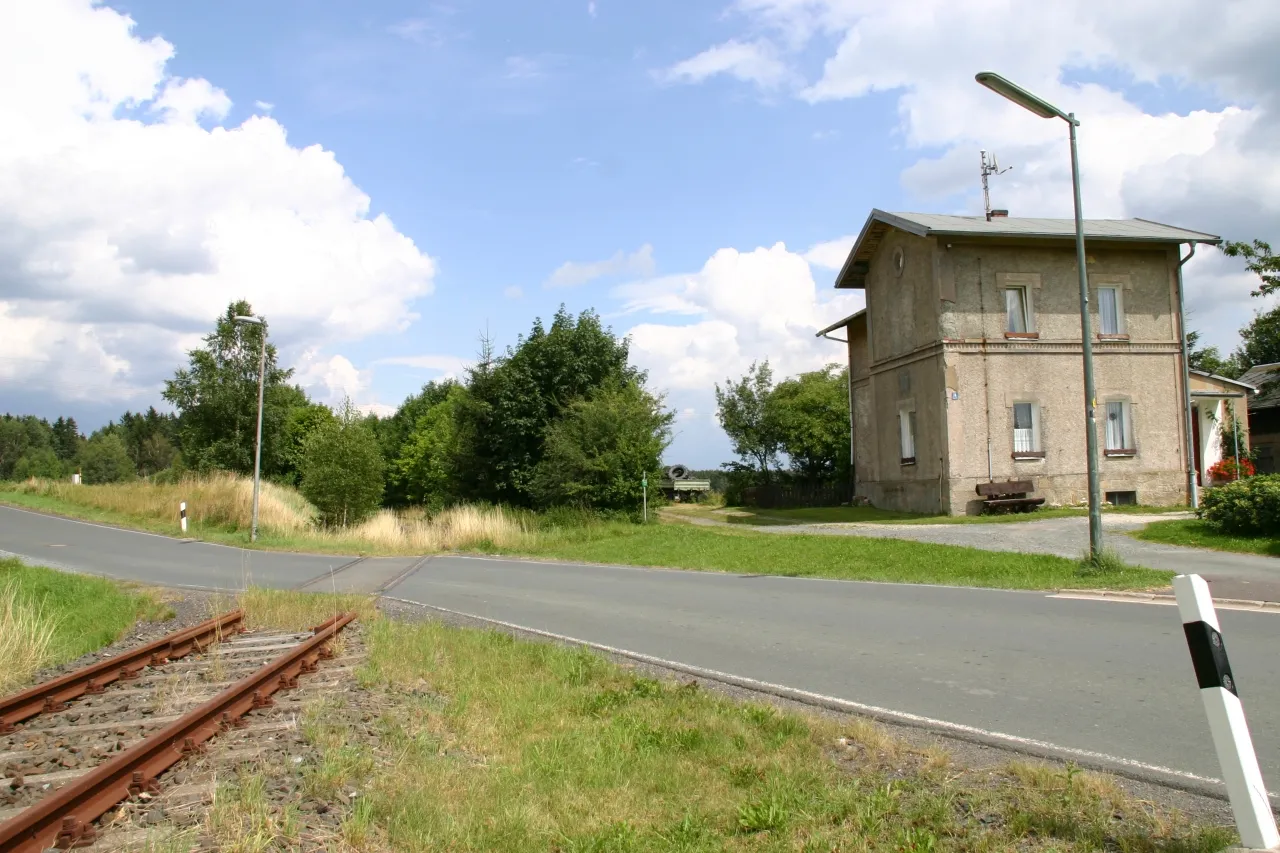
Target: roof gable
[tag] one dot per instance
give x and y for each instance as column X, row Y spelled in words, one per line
column 858, row 264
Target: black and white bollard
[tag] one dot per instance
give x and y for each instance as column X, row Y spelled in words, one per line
column 1249, row 802
column 182, row 512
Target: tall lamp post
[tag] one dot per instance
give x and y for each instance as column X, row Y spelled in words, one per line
column 257, row 444
column 1044, row 109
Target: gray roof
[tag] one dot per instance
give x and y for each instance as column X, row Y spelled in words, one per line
column 1267, row 378
column 938, row 224
column 840, row 324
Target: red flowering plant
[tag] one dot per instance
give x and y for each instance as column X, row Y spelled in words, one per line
column 1226, row 469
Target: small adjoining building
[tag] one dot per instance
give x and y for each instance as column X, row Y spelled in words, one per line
column 965, row 367
column 1264, row 415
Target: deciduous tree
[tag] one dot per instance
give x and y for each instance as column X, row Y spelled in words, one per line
column 342, row 468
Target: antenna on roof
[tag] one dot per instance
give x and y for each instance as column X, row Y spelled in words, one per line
column 990, row 167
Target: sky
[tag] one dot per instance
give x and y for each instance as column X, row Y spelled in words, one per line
column 390, row 181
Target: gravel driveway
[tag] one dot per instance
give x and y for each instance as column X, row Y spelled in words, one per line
column 1232, row 575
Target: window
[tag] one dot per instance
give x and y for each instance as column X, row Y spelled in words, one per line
column 907, row 436
column 1026, row 431
column 1110, row 311
column 1119, row 429
column 1122, row 498
column 1016, row 310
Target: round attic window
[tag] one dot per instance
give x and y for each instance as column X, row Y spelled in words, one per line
column 899, row 261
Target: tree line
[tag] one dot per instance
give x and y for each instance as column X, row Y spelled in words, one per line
column 561, row 418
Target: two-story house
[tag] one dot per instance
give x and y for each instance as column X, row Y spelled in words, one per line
column 966, row 364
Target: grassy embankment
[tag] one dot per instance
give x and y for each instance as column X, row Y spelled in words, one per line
column 488, row 743
column 49, row 617
column 218, row 509
column 872, row 515
column 1194, row 533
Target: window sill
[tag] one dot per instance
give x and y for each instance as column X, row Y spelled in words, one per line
column 1031, row 455
column 909, row 460
column 1113, row 337
column 1121, row 453
column 1022, row 336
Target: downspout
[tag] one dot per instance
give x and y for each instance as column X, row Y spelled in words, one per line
column 1193, row 491
column 986, row 383
column 853, row 477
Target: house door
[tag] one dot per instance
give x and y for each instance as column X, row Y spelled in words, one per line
column 1195, row 440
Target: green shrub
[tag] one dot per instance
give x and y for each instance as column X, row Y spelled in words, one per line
column 1248, row 507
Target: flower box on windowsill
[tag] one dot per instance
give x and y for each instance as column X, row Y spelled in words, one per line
column 1028, row 454
column 1102, row 337
column 908, row 460
column 1022, row 336
column 1121, row 453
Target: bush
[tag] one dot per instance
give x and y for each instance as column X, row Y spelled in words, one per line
column 105, row 460
column 342, row 469
column 1249, row 507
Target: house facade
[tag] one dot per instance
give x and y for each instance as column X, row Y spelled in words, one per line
column 966, row 364
column 1219, row 420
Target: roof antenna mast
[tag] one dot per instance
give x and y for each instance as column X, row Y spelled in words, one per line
column 989, row 167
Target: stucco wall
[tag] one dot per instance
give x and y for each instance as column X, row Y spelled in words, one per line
column 904, row 373
column 984, row 385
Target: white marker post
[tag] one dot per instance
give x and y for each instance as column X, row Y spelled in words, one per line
column 182, row 512
column 1249, row 802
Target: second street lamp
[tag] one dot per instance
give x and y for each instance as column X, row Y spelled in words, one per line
column 1044, row 109
column 257, row 444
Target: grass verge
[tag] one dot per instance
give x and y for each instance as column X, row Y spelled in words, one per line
column 872, row 515
column 49, row 617
column 675, row 545
column 1194, row 533
column 488, row 743
column 684, row 546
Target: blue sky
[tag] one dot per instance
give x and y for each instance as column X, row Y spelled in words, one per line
column 662, row 149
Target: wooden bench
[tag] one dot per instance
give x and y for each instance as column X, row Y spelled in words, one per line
column 1009, row 496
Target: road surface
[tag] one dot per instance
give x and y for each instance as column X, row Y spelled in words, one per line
column 1105, row 677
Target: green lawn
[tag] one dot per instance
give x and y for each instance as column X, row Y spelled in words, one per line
column 686, row 546
column 488, row 743
column 1194, row 533
column 49, row 617
column 872, row 515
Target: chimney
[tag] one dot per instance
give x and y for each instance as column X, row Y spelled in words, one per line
column 997, row 214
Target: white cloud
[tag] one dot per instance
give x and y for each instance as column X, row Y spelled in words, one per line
column 752, row 62
column 450, row 365
column 591, row 8
column 513, row 292
column 330, row 379
column 1211, row 168
column 127, row 226
column 574, row 273
column 264, row 106
column 831, row 255
column 752, row 305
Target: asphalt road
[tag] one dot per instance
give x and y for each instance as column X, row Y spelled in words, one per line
column 1106, row 677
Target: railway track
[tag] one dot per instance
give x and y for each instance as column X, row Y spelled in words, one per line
column 75, row 747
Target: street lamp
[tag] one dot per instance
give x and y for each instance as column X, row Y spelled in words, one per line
column 257, row 445
column 1044, row 109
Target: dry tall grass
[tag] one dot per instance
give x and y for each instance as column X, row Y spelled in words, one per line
column 226, row 500
column 221, row 499
column 452, row 529
column 26, row 633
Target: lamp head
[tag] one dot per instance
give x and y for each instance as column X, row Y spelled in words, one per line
column 1020, row 96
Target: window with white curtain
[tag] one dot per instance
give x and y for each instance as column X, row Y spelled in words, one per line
column 1110, row 311
column 907, row 436
column 1017, row 310
column 1119, row 427
column 1026, row 429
